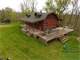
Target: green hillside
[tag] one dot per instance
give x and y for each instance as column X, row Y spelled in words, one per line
column 16, row 45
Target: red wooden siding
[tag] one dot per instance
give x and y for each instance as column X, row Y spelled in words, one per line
column 39, row 25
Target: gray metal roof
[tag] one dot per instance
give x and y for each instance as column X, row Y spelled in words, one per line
column 33, row 18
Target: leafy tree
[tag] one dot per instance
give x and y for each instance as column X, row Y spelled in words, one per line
column 49, row 6
column 58, row 6
column 7, row 14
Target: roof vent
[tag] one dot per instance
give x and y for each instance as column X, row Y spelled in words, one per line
column 38, row 15
column 28, row 15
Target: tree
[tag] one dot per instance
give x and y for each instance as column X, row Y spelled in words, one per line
column 29, row 6
column 74, row 11
column 49, row 6
column 58, row 6
column 7, row 14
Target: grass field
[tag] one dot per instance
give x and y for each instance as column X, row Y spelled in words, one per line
column 16, row 45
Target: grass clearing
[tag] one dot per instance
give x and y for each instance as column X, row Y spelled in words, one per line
column 16, row 45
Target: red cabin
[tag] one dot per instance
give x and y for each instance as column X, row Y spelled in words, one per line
column 44, row 26
column 42, row 21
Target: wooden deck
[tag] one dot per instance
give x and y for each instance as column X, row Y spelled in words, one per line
column 56, row 33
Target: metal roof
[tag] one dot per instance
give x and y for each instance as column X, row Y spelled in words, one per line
column 33, row 18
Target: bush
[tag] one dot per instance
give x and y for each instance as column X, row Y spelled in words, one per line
column 6, row 21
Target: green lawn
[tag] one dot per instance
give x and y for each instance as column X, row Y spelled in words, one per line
column 16, row 45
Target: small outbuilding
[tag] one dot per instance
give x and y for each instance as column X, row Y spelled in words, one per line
column 42, row 21
column 44, row 26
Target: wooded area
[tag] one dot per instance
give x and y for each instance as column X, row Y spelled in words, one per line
column 7, row 15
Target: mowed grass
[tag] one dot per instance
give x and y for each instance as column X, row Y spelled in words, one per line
column 16, row 45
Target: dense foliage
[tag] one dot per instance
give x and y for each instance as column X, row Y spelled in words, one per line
column 7, row 15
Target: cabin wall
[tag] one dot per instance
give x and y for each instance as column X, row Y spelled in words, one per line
column 49, row 22
column 28, row 24
column 39, row 25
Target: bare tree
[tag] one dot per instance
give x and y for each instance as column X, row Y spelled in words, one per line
column 73, row 12
column 76, row 14
column 28, row 6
